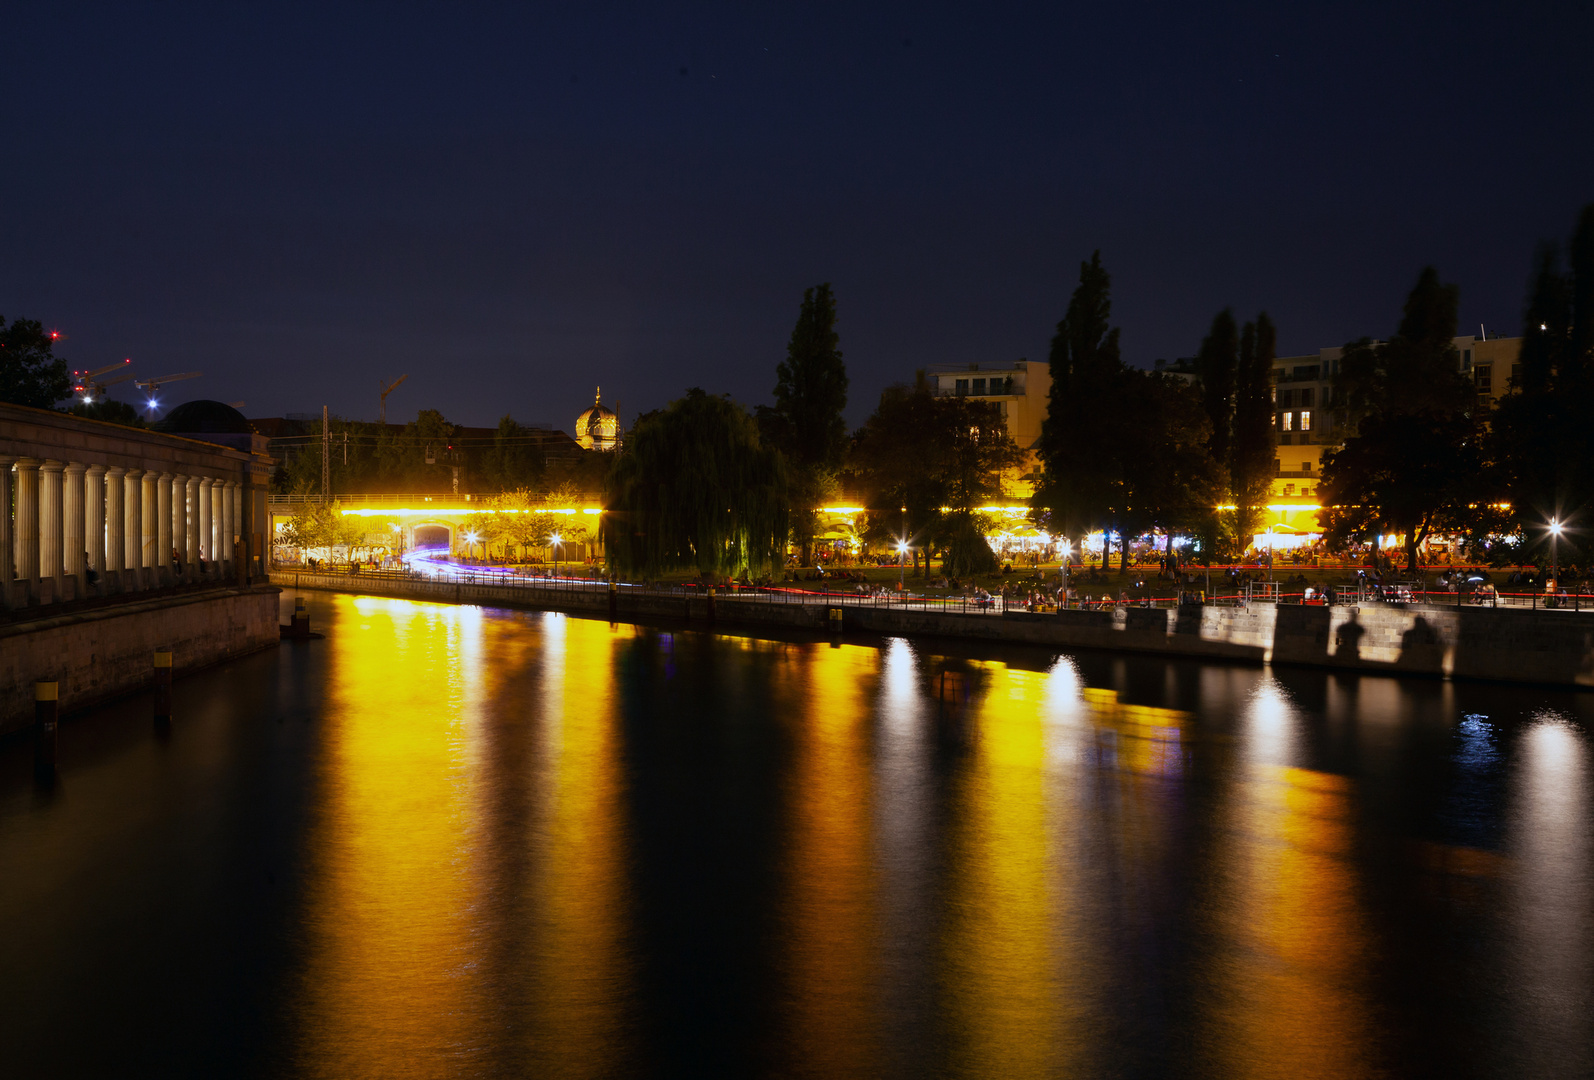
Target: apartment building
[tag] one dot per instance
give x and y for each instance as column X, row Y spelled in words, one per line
column 1303, row 420
column 1020, row 388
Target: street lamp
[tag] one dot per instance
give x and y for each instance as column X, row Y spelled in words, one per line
column 554, row 541
column 902, row 552
column 470, row 539
column 1067, row 549
column 1555, row 562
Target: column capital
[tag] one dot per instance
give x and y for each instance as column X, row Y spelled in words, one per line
column 114, row 470
column 96, row 470
column 51, row 465
column 76, row 468
column 130, row 473
column 165, row 476
column 26, row 463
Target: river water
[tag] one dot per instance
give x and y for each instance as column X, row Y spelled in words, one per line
column 453, row 841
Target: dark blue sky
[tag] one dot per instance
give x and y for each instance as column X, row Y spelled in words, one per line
column 511, row 203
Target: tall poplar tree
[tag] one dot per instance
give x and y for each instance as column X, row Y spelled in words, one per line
column 1216, row 364
column 1081, row 446
column 806, row 423
column 1251, row 466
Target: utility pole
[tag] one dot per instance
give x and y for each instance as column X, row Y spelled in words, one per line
column 381, row 406
column 326, row 456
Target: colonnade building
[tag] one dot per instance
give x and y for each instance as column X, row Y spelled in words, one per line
column 96, row 509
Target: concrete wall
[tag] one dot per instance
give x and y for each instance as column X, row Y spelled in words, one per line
column 102, row 653
column 1510, row 645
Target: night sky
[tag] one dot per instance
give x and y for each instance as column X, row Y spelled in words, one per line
column 514, row 203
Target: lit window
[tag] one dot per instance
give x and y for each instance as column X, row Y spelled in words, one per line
column 1275, row 419
column 1289, row 421
column 1306, row 421
column 1289, row 489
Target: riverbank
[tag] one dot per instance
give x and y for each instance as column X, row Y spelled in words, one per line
column 100, row 653
column 1496, row 644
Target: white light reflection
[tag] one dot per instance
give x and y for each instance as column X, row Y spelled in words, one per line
column 1270, row 723
column 1554, row 892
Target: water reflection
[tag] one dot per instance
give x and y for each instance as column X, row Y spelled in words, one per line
column 467, row 842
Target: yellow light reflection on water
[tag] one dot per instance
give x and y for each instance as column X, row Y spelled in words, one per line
column 469, row 776
column 830, row 913
column 1292, row 999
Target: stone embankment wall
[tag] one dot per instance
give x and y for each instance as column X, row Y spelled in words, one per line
column 103, row 652
column 1512, row 645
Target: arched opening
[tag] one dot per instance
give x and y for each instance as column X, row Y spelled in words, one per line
column 431, row 536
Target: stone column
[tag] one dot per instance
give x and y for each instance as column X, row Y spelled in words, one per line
column 50, row 564
column 8, row 551
column 148, row 529
column 191, row 537
column 94, row 517
column 180, row 523
column 207, row 544
column 76, row 539
column 163, row 527
column 115, row 526
column 26, row 528
column 227, row 528
column 133, row 527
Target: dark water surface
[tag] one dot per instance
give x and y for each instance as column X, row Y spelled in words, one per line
column 449, row 841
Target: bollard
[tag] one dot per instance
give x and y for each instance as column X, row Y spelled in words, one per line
column 301, row 620
column 835, row 620
column 163, row 685
column 614, row 599
column 46, row 701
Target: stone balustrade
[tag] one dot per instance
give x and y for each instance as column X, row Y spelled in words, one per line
column 95, row 509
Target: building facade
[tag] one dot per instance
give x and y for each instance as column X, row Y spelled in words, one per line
column 1021, row 389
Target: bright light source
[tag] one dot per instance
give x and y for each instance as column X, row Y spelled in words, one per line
column 1555, row 527
column 88, row 399
column 554, row 539
column 470, row 538
column 902, row 547
column 395, row 527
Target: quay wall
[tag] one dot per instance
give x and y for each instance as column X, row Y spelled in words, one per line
column 1500, row 644
column 107, row 651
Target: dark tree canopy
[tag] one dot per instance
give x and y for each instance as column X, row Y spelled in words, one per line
column 30, row 372
column 1412, row 464
column 1251, row 456
column 1081, row 439
column 1541, row 440
column 811, row 386
column 695, row 487
column 1216, row 365
column 926, row 463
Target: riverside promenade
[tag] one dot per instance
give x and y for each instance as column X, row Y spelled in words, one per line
column 1496, row 644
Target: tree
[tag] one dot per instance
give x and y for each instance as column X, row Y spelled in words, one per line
column 30, row 372
column 932, row 461
column 1081, row 443
column 1251, row 455
column 1540, row 438
column 695, row 486
column 514, row 459
column 806, row 423
column 1412, row 464
column 110, row 412
column 1216, row 365
column 322, row 526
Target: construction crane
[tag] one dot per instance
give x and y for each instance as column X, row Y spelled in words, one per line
column 387, row 388
column 152, row 386
column 92, row 387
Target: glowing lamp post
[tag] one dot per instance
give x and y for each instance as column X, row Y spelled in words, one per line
column 554, row 540
column 902, row 553
column 1067, row 550
column 1555, row 561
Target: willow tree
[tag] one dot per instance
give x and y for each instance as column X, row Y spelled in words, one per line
column 695, row 487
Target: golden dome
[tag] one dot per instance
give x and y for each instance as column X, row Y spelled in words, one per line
column 598, row 428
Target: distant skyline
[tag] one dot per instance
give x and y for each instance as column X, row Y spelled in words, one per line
column 515, row 205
